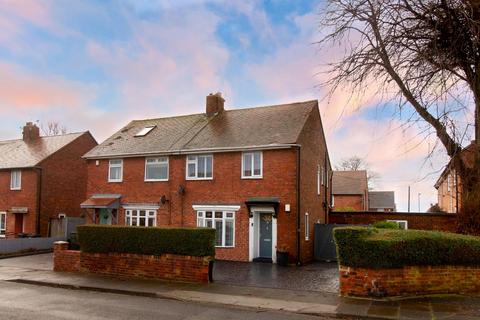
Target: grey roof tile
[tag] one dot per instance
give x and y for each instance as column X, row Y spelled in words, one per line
column 262, row 126
column 349, row 182
column 19, row 154
column 381, row 199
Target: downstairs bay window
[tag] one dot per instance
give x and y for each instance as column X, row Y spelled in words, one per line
column 140, row 218
column 224, row 224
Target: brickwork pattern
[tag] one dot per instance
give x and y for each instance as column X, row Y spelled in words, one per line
column 226, row 187
column 349, row 201
column 419, row 221
column 165, row 267
column 409, row 281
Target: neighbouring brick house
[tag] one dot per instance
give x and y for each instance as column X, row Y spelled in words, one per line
column 381, row 201
column 350, row 190
column 259, row 176
column 448, row 184
column 40, row 178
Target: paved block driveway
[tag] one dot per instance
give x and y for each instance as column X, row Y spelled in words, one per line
column 321, row 277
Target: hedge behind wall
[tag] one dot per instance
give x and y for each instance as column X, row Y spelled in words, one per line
column 363, row 247
column 147, row 241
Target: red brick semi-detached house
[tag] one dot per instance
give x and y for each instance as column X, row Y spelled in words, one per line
column 40, row 178
column 350, row 190
column 258, row 176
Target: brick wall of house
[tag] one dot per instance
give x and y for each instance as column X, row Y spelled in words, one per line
column 356, row 202
column 420, row 221
column 227, row 187
column 313, row 155
column 64, row 180
column 26, row 197
column 409, row 281
column 166, row 267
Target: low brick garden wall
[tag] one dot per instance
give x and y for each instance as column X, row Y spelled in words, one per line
column 409, row 281
column 164, row 267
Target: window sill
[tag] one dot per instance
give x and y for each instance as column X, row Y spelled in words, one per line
column 252, row 178
column 115, row 181
column 233, row 247
column 156, row 180
column 198, row 179
column 16, row 189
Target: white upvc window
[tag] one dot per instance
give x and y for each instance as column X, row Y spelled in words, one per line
column 141, row 217
column 16, row 180
column 200, row 167
column 307, row 227
column 115, row 170
column 252, row 165
column 403, row 224
column 156, row 169
column 224, row 224
column 319, row 179
column 3, row 224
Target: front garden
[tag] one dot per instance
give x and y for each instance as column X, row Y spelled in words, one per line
column 180, row 254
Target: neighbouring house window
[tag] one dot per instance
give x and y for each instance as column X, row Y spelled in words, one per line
column 224, row 224
column 115, row 170
column 333, row 200
column 252, row 164
column 3, row 224
column 199, row 167
column 141, row 218
column 322, row 175
column 307, row 227
column 156, row 169
column 16, row 180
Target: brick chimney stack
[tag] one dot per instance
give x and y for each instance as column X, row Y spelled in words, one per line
column 215, row 103
column 30, row 132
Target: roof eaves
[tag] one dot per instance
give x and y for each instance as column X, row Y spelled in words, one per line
column 192, row 151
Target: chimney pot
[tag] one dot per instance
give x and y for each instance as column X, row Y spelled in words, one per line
column 30, row 132
column 215, row 103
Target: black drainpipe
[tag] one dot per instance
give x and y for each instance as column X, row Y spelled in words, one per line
column 298, row 206
column 39, row 198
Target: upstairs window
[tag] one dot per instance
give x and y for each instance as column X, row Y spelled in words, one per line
column 3, row 224
column 16, row 180
column 200, row 167
column 307, row 227
column 115, row 170
column 143, row 132
column 156, row 169
column 252, row 165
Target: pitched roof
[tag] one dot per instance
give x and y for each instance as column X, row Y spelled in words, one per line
column 230, row 129
column 381, row 199
column 349, row 182
column 19, row 154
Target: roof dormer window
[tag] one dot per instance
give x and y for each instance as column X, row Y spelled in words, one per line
column 144, row 131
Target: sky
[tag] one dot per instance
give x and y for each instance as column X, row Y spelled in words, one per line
column 96, row 65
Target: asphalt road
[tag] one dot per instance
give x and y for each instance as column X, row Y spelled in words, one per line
column 20, row 301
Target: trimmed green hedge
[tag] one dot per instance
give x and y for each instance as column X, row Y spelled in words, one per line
column 387, row 248
column 147, row 241
column 386, row 225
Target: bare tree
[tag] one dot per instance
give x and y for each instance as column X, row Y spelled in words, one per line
column 355, row 163
column 423, row 55
column 53, row 128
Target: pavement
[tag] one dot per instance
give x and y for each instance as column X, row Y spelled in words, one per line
column 36, row 270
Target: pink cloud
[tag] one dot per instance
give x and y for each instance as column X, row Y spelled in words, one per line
column 22, row 89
